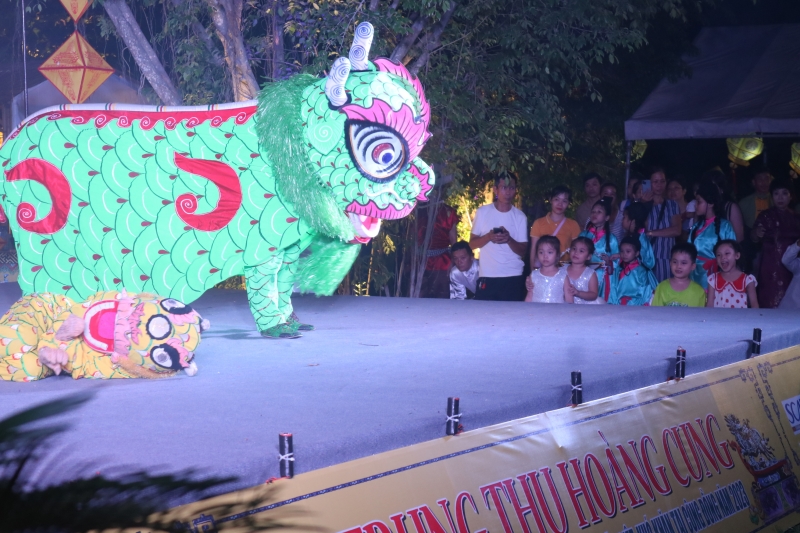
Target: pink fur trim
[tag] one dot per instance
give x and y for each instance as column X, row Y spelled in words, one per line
column 189, row 318
column 127, row 322
column 424, row 182
column 134, row 321
column 184, row 353
column 398, row 69
column 71, row 328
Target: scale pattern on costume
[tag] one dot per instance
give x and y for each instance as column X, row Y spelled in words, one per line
column 124, row 227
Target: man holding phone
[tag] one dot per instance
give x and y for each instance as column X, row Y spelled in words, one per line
column 500, row 231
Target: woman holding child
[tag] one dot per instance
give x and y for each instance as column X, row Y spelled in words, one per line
column 710, row 228
column 777, row 228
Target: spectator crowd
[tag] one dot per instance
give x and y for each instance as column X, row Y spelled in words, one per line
column 669, row 243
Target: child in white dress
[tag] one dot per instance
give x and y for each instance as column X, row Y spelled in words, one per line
column 548, row 284
column 583, row 284
column 730, row 287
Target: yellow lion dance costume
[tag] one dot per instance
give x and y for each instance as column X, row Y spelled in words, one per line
column 111, row 335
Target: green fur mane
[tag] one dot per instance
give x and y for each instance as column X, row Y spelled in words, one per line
column 281, row 138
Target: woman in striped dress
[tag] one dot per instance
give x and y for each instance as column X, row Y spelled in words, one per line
column 663, row 224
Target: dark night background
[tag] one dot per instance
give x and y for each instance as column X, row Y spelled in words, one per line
column 691, row 157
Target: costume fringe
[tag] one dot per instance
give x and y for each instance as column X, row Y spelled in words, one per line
column 324, row 269
column 281, row 137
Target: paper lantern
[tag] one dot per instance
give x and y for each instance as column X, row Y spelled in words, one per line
column 795, row 162
column 638, row 150
column 743, row 149
column 76, row 69
column 76, row 8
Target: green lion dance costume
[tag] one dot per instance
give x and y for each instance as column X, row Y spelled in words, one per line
column 174, row 200
column 110, row 335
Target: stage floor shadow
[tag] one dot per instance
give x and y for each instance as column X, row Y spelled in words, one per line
column 375, row 376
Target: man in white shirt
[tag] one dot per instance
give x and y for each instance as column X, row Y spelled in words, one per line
column 464, row 272
column 500, row 230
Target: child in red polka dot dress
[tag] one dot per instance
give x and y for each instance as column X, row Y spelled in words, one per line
column 730, row 287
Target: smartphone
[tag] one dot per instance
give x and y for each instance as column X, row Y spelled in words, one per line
column 646, row 186
column 497, row 230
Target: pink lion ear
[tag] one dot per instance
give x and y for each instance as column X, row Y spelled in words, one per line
column 424, row 182
column 71, row 328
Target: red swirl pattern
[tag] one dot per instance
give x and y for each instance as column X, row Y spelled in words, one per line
column 58, row 188
column 244, row 116
column 186, row 203
column 230, row 194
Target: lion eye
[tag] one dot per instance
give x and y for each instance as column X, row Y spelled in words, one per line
column 158, row 327
column 165, row 356
column 379, row 152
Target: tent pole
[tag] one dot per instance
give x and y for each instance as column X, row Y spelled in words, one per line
column 24, row 59
column 628, row 166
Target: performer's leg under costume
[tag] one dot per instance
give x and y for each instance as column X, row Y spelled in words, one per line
column 269, row 290
column 286, row 278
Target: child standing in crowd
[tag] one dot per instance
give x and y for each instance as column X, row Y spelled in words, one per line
column 680, row 290
column 549, row 282
column 634, row 222
column 464, row 272
column 598, row 229
column 710, row 228
column 582, row 279
column 632, row 283
column 729, row 286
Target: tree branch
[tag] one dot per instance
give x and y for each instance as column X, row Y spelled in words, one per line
column 146, row 59
column 401, row 50
column 433, row 39
column 278, row 57
column 202, row 34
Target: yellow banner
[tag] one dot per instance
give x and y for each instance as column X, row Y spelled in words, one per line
column 714, row 452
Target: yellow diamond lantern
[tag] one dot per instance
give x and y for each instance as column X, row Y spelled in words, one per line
column 76, row 69
column 76, row 8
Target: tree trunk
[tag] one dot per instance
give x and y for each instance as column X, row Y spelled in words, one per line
column 146, row 59
column 421, row 257
column 227, row 18
column 278, row 58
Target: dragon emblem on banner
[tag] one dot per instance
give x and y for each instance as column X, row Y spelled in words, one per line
column 775, row 487
column 174, row 200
